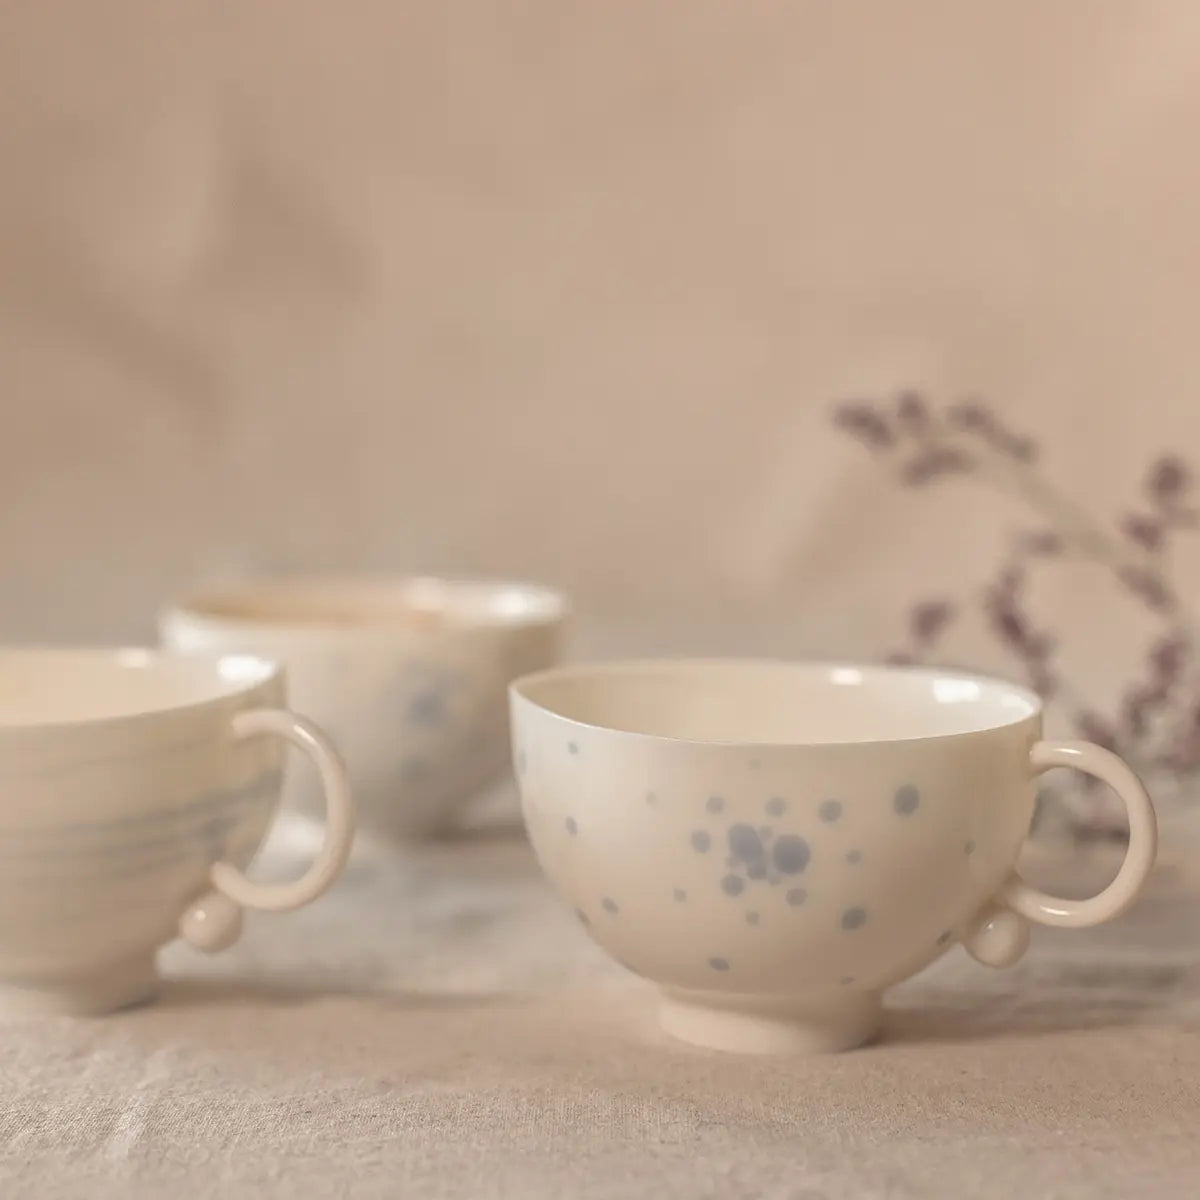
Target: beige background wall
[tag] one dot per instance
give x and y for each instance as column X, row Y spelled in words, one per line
column 567, row 289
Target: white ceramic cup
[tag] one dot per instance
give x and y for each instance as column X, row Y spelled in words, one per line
column 407, row 675
column 775, row 844
column 136, row 788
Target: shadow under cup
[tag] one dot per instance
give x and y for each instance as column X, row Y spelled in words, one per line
column 408, row 675
column 136, row 787
column 775, row 844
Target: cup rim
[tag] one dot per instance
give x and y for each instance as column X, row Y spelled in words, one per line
column 499, row 603
column 222, row 679
column 1028, row 704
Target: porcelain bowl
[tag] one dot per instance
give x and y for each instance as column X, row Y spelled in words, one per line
column 776, row 844
column 135, row 789
column 407, row 675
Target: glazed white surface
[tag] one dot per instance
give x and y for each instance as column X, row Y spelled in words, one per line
column 774, row 889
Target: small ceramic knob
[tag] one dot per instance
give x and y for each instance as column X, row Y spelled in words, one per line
column 998, row 938
column 212, row 923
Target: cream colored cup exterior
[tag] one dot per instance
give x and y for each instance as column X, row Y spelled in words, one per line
column 775, row 891
column 120, row 832
column 417, row 706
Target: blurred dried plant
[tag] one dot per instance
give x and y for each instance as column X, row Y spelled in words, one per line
column 1156, row 721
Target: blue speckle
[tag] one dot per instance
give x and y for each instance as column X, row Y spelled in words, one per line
column 745, row 843
column 427, row 709
column 854, row 918
column 830, row 810
column 791, row 854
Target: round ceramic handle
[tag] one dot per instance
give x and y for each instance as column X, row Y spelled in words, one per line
column 1139, row 856
column 215, row 920
column 1000, row 934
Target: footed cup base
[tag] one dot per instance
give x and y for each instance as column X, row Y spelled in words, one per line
column 818, row 1024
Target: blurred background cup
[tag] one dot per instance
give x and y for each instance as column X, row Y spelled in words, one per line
column 409, row 675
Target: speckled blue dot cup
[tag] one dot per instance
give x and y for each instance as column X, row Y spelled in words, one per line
column 775, row 844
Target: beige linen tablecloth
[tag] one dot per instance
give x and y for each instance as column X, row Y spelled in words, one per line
column 439, row 1027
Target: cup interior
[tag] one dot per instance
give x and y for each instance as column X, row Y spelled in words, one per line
column 777, row 703
column 422, row 602
column 53, row 686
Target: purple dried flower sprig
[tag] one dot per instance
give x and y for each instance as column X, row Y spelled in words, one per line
column 1168, row 481
column 928, row 620
column 931, row 443
column 861, row 421
column 1157, row 720
column 1167, row 485
column 1149, row 586
column 1004, row 607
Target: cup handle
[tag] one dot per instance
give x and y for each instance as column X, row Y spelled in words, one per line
column 214, row 921
column 1001, row 933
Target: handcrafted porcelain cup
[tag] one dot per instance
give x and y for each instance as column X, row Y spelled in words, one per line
column 136, row 788
column 776, row 844
column 407, row 675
